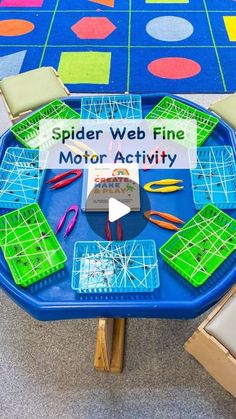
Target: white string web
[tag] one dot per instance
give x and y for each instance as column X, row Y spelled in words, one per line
column 214, row 179
column 111, row 107
column 128, row 266
column 27, row 130
column 169, row 108
column 200, row 247
column 21, row 178
column 29, row 245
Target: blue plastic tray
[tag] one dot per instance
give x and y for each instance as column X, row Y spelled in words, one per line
column 104, row 266
column 53, row 298
column 214, row 178
column 21, row 179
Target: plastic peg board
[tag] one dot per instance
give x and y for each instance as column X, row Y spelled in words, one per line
column 127, row 266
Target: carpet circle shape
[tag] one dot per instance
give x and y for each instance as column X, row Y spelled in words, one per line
column 175, row 68
column 15, row 27
column 169, row 28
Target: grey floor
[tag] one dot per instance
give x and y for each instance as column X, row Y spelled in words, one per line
column 46, row 369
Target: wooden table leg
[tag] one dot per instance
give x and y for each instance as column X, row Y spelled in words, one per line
column 110, row 345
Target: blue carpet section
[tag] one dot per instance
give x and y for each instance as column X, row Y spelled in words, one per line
column 154, row 47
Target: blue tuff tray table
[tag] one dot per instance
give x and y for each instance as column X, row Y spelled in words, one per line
column 54, row 299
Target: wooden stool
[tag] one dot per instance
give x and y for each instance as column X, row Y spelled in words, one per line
column 110, row 345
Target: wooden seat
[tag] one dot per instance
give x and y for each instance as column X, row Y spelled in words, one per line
column 214, row 342
column 225, row 108
column 28, row 91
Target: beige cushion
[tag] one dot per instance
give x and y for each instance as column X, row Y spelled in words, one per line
column 226, row 109
column 30, row 90
column 223, row 325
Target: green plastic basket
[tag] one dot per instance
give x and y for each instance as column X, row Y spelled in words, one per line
column 202, row 245
column 29, row 245
column 27, row 130
column 169, row 108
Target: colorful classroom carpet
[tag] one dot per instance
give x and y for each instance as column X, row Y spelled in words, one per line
column 141, row 46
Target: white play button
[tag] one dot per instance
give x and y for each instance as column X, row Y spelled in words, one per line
column 117, row 210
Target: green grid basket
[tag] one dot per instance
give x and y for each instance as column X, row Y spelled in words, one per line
column 169, row 108
column 27, row 130
column 29, row 245
column 202, row 245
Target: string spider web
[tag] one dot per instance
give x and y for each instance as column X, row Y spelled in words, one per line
column 129, row 266
column 28, row 131
column 214, row 179
column 29, row 245
column 111, row 107
column 21, row 178
column 200, row 247
column 169, row 108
